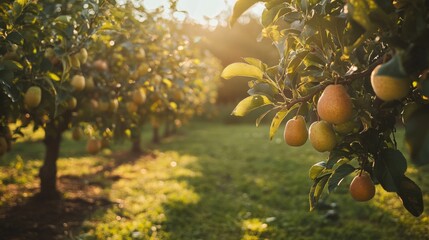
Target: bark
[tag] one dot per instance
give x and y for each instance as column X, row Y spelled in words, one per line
column 155, row 137
column 167, row 130
column 48, row 172
column 135, row 148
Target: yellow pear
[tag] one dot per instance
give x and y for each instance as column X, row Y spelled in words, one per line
column 78, row 82
column 362, row 188
column 322, row 136
column 335, row 105
column 113, row 105
column 139, row 96
column 72, row 103
column 83, row 55
column 74, row 60
column 33, row 97
column 389, row 88
column 89, row 83
column 295, row 133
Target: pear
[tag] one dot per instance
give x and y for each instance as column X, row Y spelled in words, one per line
column 78, row 82
column 93, row 146
column 33, row 97
column 139, row 96
column 74, row 60
column 89, row 83
column 349, row 127
column 83, row 55
column 295, row 133
column 389, row 88
column 322, row 136
column 72, row 103
column 335, row 105
column 362, row 188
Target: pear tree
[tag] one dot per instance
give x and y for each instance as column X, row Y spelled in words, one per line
column 355, row 71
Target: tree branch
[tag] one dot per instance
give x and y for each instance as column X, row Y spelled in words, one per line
column 342, row 80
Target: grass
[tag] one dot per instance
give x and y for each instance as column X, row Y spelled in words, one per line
column 224, row 182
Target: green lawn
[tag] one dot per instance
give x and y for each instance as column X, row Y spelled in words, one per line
column 225, row 182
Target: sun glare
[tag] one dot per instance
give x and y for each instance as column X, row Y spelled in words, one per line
column 203, row 12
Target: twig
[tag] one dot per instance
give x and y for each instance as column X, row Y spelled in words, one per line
column 341, row 80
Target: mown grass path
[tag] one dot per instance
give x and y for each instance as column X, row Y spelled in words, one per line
column 230, row 182
column 212, row 181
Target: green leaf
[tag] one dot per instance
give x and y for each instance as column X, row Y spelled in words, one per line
column 339, row 174
column 15, row 37
column 239, row 8
column 255, row 62
column 249, row 104
column 53, row 76
column 9, row 91
column 390, row 166
column 316, row 170
column 277, row 120
column 243, row 70
column 316, row 190
column 393, row 68
column 13, row 65
column 259, row 119
column 411, row 195
column 18, row 6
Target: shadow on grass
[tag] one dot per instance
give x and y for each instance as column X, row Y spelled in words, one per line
column 249, row 188
column 83, row 194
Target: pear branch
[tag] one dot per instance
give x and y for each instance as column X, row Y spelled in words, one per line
column 341, row 80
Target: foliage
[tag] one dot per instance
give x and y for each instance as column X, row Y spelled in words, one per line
column 341, row 42
column 103, row 66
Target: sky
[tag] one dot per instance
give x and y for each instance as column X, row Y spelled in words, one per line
column 199, row 9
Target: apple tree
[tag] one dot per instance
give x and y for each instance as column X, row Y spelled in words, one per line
column 356, row 70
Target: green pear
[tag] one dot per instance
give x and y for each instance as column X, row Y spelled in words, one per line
column 322, row 136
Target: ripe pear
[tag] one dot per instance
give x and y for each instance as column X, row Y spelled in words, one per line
column 74, row 60
column 113, row 105
column 322, row 136
column 139, row 96
column 89, row 83
column 389, row 88
column 335, row 105
column 295, row 133
column 33, row 97
column 100, row 65
column 83, row 55
column 131, row 107
column 78, row 82
column 72, row 103
column 93, row 146
column 362, row 188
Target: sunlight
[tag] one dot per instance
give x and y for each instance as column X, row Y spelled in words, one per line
column 203, row 12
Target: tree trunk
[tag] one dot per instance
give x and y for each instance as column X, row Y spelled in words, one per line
column 167, row 130
column 52, row 141
column 135, row 148
column 155, row 137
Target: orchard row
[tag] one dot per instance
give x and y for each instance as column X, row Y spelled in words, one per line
column 100, row 68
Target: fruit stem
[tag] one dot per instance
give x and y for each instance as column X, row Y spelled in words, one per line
column 299, row 109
